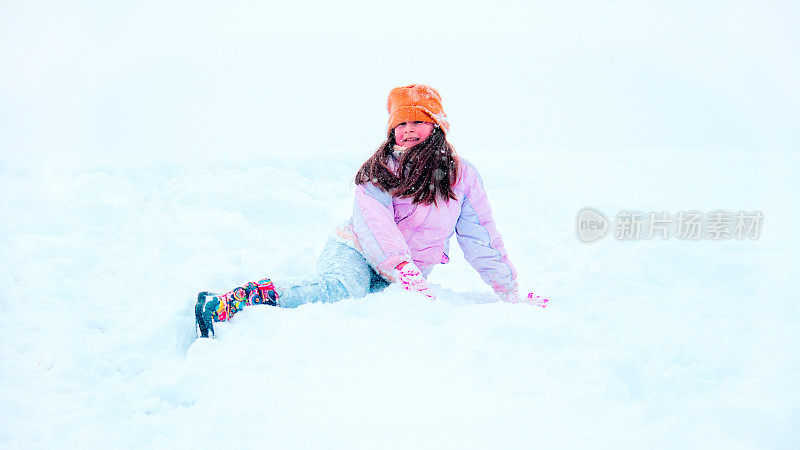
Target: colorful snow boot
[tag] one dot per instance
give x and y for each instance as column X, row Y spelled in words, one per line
column 213, row 307
column 262, row 293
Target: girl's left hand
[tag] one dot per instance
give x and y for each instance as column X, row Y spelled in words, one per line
column 532, row 299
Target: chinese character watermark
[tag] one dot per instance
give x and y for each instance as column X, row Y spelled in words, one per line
column 592, row 225
column 689, row 225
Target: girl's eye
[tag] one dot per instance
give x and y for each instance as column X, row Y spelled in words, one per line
column 417, row 122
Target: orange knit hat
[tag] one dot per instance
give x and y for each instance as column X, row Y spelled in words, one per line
column 416, row 102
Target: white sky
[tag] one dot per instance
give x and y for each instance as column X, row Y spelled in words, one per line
column 195, row 79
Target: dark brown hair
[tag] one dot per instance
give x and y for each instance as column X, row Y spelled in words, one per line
column 427, row 171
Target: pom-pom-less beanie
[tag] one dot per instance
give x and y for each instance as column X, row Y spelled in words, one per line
column 416, row 102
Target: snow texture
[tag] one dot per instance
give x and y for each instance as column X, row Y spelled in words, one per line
column 646, row 344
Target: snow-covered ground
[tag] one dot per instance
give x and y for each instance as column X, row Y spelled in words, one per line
column 646, row 344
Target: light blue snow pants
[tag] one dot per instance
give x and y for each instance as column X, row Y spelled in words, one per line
column 341, row 273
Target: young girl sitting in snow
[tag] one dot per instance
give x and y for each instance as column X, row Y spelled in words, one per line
column 411, row 196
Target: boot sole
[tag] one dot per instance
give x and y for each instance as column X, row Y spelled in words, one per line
column 203, row 315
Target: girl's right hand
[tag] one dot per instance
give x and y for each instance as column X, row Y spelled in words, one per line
column 410, row 277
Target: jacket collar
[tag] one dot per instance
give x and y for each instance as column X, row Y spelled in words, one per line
column 398, row 151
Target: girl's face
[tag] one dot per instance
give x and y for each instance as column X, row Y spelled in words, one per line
column 409, row 134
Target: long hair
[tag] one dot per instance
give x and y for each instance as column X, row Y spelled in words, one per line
column 426, row 171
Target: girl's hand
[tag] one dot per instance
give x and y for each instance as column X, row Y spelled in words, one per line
column 532, row 299
column 410, row 277
column 536, row 300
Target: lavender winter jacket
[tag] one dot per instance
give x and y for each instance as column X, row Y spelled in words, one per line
column 387, row 230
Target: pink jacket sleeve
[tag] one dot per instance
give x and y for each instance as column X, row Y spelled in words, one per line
column 478, row 237
column 373, row 223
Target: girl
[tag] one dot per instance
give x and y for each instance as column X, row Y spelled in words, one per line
column 411, row 196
